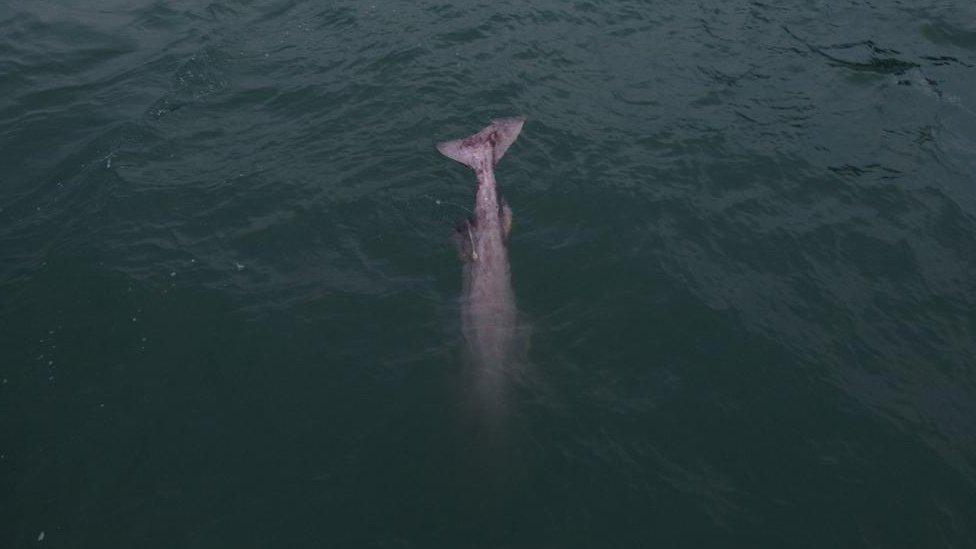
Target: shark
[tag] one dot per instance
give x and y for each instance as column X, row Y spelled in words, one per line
column 488, row 311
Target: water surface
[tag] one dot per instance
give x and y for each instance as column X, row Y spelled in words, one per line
column 743, row 252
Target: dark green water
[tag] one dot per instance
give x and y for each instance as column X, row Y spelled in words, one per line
column 744, row 250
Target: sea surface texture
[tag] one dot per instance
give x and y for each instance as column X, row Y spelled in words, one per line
column 743, row 254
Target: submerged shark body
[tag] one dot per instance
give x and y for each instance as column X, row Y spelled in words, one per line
column 488, row 311
column 488, row 323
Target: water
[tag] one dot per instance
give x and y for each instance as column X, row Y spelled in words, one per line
column 743, row 252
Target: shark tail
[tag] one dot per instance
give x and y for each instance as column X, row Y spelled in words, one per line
column 489, row 143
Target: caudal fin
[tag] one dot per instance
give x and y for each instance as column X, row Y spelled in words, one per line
column 489, row 144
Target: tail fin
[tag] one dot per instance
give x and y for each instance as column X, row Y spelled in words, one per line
column 490, row 143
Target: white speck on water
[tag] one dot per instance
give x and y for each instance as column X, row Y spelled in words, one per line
column 50, row 362
column 193, row 261
column 172, row 274
column 438, row 202
column 108, row 162
column 240, row 266
column 143, row 339
column 134, row 319
column 40, row 537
